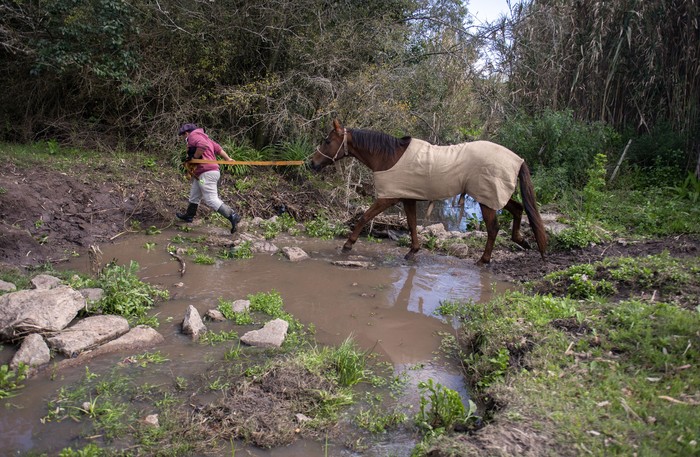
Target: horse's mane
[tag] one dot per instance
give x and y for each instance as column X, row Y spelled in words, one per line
column 378, row 142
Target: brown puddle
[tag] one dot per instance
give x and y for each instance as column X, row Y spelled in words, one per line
column 388, row 309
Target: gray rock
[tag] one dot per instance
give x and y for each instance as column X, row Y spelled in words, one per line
column 271, row 335
column 192, row 323
column 258, row 244
column 458, row 250
column 352, row 264
column 215, row 315
column 139, row 337
column 92, row 295
column 7, row 286
column 152, row 420
column 43, row 282
column 240, row 306
column 33, row 352
column 294, row 253
column 88, row 333
column 38, row 311
column 551, row 223
column 437, row 230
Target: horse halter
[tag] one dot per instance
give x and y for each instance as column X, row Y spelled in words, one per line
column 343, row 146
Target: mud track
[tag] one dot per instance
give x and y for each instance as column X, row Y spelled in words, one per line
column 47, row 214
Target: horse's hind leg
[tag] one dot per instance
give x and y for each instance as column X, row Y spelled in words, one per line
column 491, row 222
column 409, row 207
column 516, row 209
column 377, row 207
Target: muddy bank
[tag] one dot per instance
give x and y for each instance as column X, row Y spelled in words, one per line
column 52, row 210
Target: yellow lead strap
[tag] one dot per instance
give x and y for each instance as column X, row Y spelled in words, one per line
column 250, row 162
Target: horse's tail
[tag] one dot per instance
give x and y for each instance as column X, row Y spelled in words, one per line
column 527, row 192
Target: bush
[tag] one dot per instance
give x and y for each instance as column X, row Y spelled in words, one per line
column 556, row 141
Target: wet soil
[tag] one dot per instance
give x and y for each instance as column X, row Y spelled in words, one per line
column 46, row 214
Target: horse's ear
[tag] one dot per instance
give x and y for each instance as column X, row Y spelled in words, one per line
column 336, row 125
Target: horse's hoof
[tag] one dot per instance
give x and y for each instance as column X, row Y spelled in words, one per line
column 346, row 249
column 483, row 263
column 411, row 255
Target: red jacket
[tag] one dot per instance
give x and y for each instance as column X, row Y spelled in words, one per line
column 200, row 140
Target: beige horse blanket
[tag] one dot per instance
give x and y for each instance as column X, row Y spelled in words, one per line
column 483, row 170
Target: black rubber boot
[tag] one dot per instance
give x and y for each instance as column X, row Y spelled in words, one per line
column 229, row 214
column 188, row 216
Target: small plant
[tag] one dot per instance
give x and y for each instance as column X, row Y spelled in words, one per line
column 153, row 230
column 38, row 223
column 404, row 241
column 442, row 409
column 580, row 235
column 52, row 146
column 125, row 294
column 212, row 338
column 181, row 383
column 239, row 318
column 149, row 163
column 149, row 246
column 593, row 194
column 10, row 380
column 204, row 259
column 349, row 363
column 376, row 421
column 91, row 450
column 322, row 228
column 689, row 189
column 147, row 358
column 234, row 353
column 243, row 251
column 431, row 243
column 218, row 384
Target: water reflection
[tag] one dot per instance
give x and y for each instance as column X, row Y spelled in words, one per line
column 447, row 212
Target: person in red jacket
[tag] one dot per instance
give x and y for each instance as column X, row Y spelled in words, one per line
column 205, row 175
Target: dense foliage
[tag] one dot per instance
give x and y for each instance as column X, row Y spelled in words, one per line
column 124, row 74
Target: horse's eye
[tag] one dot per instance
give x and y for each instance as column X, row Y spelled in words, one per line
column 327, row 141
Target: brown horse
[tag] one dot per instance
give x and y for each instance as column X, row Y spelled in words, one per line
column 486, row 182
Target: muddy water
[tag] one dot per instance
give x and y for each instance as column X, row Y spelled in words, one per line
column 388, row 308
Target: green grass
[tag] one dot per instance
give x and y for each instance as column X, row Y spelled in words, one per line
column 600, row 376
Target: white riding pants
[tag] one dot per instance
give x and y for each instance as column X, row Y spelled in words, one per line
column 205, row 189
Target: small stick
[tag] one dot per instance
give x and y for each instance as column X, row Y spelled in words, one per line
column 183, row 267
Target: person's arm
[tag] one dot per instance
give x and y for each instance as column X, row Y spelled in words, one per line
column 219, row 151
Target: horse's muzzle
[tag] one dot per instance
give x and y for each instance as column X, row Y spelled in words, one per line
column 310, row 165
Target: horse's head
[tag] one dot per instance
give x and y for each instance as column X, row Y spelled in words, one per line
column 333, row 147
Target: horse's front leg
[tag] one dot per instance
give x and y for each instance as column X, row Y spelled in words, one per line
column 377, row 207
column 491, row 222
column 409, row 207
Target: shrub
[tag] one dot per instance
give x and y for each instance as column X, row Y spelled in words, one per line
column 556, row 141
